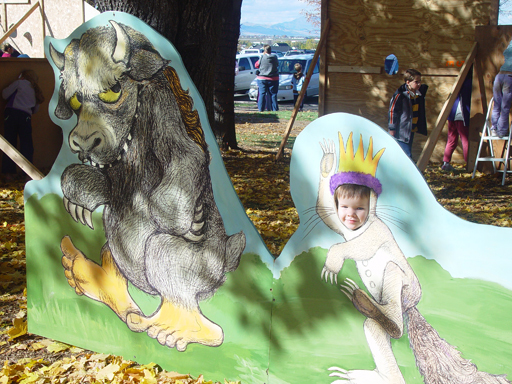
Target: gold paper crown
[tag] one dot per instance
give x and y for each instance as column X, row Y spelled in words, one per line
column 350, row 162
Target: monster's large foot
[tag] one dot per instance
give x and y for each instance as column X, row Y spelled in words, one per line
column 174, row 326
column 103, row 283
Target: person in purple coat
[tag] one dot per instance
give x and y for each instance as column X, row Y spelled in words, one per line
column 458, row 123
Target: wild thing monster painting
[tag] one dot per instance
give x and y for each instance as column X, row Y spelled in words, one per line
column 347, row 201
column 146, row 162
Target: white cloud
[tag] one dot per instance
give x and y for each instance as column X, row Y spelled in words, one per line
column 268, row 12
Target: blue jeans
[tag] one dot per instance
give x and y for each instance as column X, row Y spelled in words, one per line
column 268, row 87
column 17, row 124
column 502, row 93
column 407, row 147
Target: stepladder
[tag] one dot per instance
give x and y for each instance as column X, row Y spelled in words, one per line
column 500, row 162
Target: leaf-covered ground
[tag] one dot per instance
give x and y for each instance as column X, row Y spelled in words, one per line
column 263, row 187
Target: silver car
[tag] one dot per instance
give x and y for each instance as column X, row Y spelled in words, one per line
column 286, row 71
column 246, row 72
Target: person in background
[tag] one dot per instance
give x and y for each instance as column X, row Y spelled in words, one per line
column 502, row 94
column 297, row 82
column 407, row 114
column 8, row 51
column 267, row 78
column 23, row 99
column 458, row 123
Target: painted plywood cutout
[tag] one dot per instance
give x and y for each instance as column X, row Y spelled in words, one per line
column 137, row 228
column 411, row 288
column 137, row 223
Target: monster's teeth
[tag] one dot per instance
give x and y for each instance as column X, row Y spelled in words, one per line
column 125, row 147
column 129, row 137
column 93, row 163
column 110, row 165
column 119, row 157
column 101, row 165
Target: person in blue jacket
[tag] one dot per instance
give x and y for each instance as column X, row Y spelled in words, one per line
column 406, row 114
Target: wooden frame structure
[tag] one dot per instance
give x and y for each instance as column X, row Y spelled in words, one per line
column 435, row 37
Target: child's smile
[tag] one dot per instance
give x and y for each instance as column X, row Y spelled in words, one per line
column 353, row 211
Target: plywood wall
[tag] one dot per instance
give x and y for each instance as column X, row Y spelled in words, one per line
column 433, row 36
column 46, row 135
column 61, row 17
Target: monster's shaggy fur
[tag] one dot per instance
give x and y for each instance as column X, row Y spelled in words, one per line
column 438, row 361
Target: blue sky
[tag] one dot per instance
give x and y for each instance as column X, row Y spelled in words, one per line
column 268, row 12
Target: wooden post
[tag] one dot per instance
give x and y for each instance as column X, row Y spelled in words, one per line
column 324, row 73
column 445, row 112
column 13, row 28
column 41, row 8
column 19, row 159
column 303, row 90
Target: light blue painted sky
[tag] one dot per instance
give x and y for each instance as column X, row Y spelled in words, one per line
column 506, row 19
column 268, row 12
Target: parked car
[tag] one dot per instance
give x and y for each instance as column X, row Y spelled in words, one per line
column 294, row 52
column 286, row 71
column 250, row 51
column 246, row 71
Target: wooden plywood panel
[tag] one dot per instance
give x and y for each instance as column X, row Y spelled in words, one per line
column 433, row 36
column 343, row 95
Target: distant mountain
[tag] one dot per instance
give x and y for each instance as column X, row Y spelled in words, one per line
column 297, row 27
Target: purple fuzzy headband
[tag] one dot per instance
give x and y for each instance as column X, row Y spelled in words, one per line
column 357, row 178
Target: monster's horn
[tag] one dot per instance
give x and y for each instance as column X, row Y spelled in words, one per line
column 122, row 49
column 57, row 57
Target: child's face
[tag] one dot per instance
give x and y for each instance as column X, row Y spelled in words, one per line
column 415, row 84
column 353, row 211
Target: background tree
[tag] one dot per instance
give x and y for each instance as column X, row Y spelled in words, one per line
column 194, row 27
column 313, row 16
column 224, row 84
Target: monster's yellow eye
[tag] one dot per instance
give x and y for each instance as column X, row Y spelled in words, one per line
column 74, row 103
column 112, row 95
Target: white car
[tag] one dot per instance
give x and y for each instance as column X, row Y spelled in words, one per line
column 246, row 71
column 286, row 71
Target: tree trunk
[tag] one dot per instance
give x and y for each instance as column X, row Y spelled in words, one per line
column 193, row 26
column 224, row 124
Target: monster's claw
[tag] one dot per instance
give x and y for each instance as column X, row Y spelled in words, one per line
column 88, row 218
column 332, row 277
column 352, row 284
column 340, row 372
column 66, row 203
column 72, row 211
column 336, row 279
column 346, row 292
column 322, row 274
column 80, row 214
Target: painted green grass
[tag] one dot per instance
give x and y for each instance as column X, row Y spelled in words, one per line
column 314, row 326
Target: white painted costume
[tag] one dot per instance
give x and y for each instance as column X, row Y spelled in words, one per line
column 394, row 289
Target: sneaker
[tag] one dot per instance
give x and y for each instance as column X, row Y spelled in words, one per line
column 447, row 167
column 494, row 133
column 502, row 135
